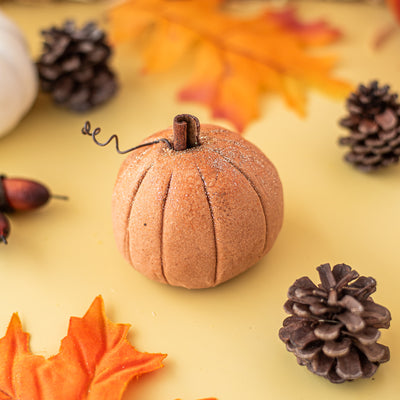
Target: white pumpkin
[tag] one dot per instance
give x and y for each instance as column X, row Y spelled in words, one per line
column 18, row 76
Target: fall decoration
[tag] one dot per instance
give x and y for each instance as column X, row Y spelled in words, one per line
column 20, row 194
column 18, row 79
column 39, row 2
column 95, row 361
column 236, row 58
column 74, row 66
column 395, row 7
column 197, row 210
column 4, row 228
column 334, row 327
column 374, row 124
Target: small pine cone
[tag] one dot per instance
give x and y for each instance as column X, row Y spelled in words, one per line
column 333, row 327
column 374, row 125
column 73, row 66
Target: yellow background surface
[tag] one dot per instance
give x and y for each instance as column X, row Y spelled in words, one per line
column 221, row 342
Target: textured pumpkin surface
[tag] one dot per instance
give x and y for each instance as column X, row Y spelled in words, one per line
column 198, row 217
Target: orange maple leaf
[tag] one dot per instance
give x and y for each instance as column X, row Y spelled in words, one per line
column 18, row 367
column 236, row 58
column 95, row 362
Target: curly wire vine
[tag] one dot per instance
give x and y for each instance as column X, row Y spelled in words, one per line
column 86, row 131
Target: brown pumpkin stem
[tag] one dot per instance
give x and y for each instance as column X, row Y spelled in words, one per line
column 186, row 132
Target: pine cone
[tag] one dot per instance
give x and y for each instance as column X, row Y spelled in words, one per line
column 333, row 329
column 73, row 66
column 374, row 124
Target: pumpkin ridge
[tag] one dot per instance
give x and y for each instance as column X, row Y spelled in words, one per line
column 230, row 162
column 213, row 222
column 162, row 228
column 126, row 239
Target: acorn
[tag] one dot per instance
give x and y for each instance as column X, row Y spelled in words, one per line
column 20, row 194
column 4, row 228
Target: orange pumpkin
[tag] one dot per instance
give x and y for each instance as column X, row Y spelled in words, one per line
column 199, row 211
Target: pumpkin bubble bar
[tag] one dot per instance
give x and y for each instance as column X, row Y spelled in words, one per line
column 198, row 208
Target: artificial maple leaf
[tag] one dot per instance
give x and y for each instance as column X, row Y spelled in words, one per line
column 18, row 367
column 315, row 33
column 395, row 7
column 95, row 362
column 236, row 58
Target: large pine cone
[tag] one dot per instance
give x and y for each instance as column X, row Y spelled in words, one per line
column 74, row 66
column 374, row 124
column 333, row 329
